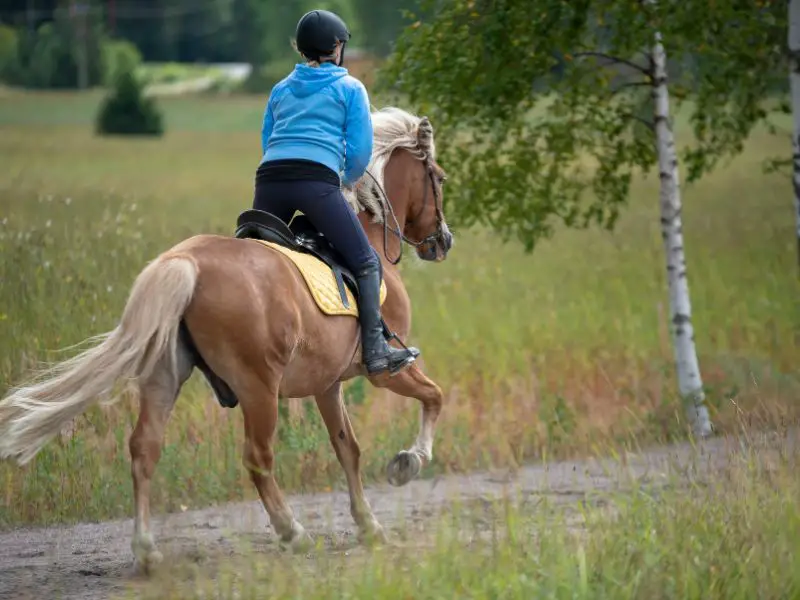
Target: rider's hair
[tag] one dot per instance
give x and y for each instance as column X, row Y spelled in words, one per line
column 314, row 63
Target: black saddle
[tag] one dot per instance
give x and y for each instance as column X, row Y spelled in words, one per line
column 299, row 235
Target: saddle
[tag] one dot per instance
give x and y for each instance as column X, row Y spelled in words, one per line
column 301, row 236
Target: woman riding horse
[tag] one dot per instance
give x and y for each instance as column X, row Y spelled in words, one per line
column 317, row 125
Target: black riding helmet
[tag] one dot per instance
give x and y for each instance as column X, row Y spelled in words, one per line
column 318, row 32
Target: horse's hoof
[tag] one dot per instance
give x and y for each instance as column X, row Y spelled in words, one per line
column 403, row 468
column 302, row 543
column 298, row 541
column 374, row 536
column 146, row 557
column 149, row 563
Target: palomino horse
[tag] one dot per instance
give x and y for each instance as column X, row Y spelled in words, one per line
column 251, row 317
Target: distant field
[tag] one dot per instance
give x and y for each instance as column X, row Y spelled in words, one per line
column 562, row 352
column 186, row 113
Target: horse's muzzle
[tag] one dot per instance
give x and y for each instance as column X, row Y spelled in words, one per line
column 439, row 245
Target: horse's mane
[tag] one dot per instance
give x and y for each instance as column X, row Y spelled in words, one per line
column 393, row 128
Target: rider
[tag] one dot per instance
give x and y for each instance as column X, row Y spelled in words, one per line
column 317, row 124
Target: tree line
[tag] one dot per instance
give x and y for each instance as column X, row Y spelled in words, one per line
column 254, row 31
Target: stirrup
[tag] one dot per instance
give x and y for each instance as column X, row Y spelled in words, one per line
column 411, row 353
column 393, row 368
column 390, row 335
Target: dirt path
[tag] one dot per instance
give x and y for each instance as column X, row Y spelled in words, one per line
column 94, row 560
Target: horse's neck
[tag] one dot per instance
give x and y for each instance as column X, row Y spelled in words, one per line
column 396, row 310
column 376, row 236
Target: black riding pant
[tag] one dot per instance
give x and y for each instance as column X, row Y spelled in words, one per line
column 314, row 192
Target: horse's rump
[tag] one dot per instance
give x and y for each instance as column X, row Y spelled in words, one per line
column 253, row 305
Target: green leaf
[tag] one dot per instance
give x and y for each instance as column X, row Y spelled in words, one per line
column 543, row 107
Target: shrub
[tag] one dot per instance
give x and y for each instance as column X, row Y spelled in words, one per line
column 119, row 56
column 127, row 111
column 8, row 51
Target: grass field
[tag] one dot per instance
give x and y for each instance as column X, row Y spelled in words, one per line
column 558, row 353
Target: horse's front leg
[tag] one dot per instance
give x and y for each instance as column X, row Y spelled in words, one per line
column 413, row 383
column 345, row 444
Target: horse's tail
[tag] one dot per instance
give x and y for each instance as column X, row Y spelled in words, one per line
column 31, row 415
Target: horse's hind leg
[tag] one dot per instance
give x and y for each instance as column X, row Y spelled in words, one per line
column 157, row 395
column 259, row 402
column 345, row 444
column 413, row 383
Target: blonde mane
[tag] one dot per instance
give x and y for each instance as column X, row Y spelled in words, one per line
column 393, row 128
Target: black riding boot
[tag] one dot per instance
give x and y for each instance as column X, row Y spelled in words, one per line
column 377, row 354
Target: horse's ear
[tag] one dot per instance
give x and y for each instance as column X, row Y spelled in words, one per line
column 425, row 132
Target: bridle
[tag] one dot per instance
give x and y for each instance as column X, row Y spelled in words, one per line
column 437, row 237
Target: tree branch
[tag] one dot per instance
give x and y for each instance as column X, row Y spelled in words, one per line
column 631, row 84
column 615, row 60
column 649, row 124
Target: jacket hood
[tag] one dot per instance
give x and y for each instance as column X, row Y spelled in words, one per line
column 305, row 80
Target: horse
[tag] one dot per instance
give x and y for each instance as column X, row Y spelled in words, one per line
column 242, row 313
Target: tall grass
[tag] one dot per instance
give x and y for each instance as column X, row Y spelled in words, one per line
column 559, row 352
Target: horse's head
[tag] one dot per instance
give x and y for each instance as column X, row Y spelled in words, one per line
column 402, row 189
column 425, row 225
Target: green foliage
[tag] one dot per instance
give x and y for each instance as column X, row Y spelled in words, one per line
column 49, row 57
column 381, row 23
column 120, row 56
column 535, row 128
column 8, row 50
column 253, row 31
column 126, row 111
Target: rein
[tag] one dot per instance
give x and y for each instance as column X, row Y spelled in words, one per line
column 436, row 236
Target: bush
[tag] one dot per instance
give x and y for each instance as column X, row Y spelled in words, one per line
column 8, row 51
column 119, row 56
column 126, row 111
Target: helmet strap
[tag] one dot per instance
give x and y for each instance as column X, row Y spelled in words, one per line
column 341, row 55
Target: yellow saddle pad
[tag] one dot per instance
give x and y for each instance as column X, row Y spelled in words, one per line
column 321, row 282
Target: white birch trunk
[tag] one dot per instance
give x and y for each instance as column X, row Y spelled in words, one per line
column 689, row 382
column 794, row 80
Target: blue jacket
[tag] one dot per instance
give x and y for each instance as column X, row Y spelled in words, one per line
column 320, row 114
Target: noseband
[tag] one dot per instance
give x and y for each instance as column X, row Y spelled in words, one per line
column 437, row 237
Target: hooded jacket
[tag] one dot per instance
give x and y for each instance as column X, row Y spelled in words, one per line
column 320, row 114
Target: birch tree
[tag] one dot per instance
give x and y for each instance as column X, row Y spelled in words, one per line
column 690, row 383
column 538, row 89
